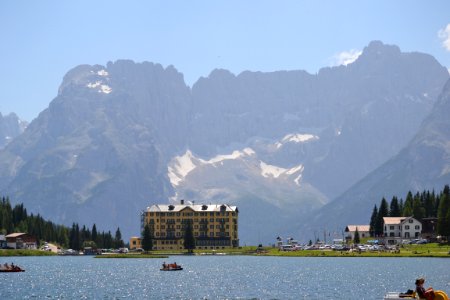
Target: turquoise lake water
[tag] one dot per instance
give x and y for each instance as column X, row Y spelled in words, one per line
column 219, row 277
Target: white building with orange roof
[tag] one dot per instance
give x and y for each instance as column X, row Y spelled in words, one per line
column 398, row 228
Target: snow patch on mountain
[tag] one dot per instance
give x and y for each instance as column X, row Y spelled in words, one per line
column 102, row 88
column 296, row 138
column 275, row 171
column 102, row 73
column 182, row 165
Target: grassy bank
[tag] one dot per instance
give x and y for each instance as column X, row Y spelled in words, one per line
column 22, row 252
column 123, row 255
column 427, row 250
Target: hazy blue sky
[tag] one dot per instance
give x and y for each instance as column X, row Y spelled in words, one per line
column 42, row 40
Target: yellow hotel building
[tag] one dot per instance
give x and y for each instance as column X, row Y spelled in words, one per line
column 215, row 226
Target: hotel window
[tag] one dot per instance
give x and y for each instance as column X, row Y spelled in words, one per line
column 391, row 227
column 406, row 227
column 417, row 227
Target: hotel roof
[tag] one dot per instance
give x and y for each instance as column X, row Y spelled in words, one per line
column 194, row 207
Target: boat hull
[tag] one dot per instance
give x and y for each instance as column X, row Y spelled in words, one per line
column 171, row 269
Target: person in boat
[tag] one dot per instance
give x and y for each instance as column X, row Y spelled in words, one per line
column 164, row 265
column 422, row 292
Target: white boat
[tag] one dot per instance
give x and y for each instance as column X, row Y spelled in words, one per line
column 396, row 296
column 438, row 295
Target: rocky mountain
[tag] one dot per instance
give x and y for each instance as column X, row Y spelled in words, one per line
column 10, row 127
column 279, row 145
column 98, row 153
column 423, row 164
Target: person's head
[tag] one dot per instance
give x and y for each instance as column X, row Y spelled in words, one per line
column 420, row 281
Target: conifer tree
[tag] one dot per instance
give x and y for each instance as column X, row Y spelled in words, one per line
column 147, row 241
column 408, row 205
column 94, row 233
column 383, row 211
column 356, row 239
column 118, row 239
column 189, row 240
column 418, row 209
column 394, row 208
column 443, row 226
column 373, row 221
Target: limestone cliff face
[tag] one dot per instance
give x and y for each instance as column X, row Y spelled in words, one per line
column 116, row 138
column 10, row 127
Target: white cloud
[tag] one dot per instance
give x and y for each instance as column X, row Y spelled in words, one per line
column 346, row 57
column 444, row 35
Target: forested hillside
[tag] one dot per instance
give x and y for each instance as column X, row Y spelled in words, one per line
column 427, row 204
column 17, row 220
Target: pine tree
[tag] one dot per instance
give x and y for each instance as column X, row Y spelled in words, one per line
column 373, row 221
column 94, row 234
column 408, row 206
column 443, row 226
column 356, row 239
column 147, row 241
column 189, row 240
column 118, row 239
column 394, row 208
column 382, row 212
column 418, row 209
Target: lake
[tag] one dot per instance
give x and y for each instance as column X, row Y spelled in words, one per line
column 219, row 277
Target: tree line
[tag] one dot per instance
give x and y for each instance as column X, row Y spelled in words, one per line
column 17, row 220
column 420, row 205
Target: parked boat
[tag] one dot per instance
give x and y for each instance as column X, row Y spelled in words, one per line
column 171, row 267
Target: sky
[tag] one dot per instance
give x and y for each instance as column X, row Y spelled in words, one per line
column 42, row 40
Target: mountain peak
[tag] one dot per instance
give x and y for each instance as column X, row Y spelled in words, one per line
column 379, row 48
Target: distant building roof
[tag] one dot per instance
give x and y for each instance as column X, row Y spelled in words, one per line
column 194, row 207
column 394, row 220
column 361, row 228
column 16, row 234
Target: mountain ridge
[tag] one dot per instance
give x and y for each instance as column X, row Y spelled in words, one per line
column 101, row 151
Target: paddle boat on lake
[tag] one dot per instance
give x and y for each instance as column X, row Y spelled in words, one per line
column 438, row 295
column 10, row 268
column 171, row 267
